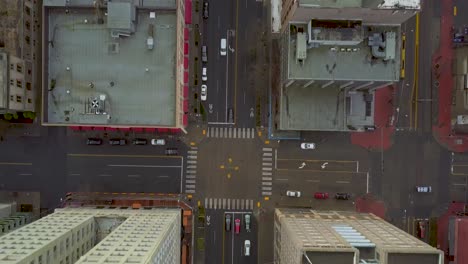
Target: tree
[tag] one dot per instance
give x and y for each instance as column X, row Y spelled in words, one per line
column 7, row 116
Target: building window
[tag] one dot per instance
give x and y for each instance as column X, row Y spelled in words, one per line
column 12, row 66
column 29, row 71
column 27, row 39
column 28, row 86
column 19, row 68
column 29, row 101
column 28, row 25
column 12, row 98
column 19, row 84
column 27, row 10
column 12, row 82
column 18, row 99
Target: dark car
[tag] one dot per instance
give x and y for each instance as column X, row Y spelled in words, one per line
column 94, row 141
column 117, row 142
column 140, row 141
column 172, row 151
column 342, row 196
column 228, row 223
column 205, row 10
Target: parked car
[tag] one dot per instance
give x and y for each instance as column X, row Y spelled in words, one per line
column 293, row 194
column 424, row 189
column 140, row 141
column 117, row 141
column 321, row 195
column 158, row 142
column 247, row 248
column 227, row 223
column 94, row 141
column 204, row 75
column 205, row 10
column 172, row 151
column 204, row 52
column 247, row 222
column 342, row 196
column 237, row 224
column 307, row 145
column 204, row 91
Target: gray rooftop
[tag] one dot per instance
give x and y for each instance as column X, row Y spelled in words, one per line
column 347, row 62
column 86, row 64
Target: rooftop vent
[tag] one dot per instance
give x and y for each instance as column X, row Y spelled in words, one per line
column 113, row 48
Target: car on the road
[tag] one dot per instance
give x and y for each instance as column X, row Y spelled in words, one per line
column 117, row 141
column 321, row 195
column 247, row 248
column 172, row 152
column 424, row 189
column 247, row 222
column 293, row 194
column 94, row 141
column 421, row 230
column 205, row 10
column 204, row 52
column 237, row 224
column 223, row 47
column 307, row 145
column 140, row 141
column 342, row 196
column 204, row 75
column 227, row 224
column 158, row 142
column 204, row 91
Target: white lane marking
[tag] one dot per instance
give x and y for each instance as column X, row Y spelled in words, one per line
column 142, row 166
column 133, row 175
column 163, row 176
column 75, row 174
column 342, row 182
column 104, row 175
column 25, row 174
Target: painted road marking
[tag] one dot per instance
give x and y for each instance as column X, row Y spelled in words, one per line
column 121, row 156
column 267, row 159
column 16, row 163
column 267, row 149
column 281, row 179
column 266, row 154
column 267, row 169
column 104, row 175
column 342, row 182
column 267, row 183
column 133, row 175
column 266, row 173
column 25, row 174
column 142, row 166
column 267, row 178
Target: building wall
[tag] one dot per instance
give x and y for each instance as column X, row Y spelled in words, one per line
column 180, row 63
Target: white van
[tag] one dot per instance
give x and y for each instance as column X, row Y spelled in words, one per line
column 223, row 47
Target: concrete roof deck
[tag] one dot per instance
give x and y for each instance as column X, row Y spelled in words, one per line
column 323, row 64
column 139, row 84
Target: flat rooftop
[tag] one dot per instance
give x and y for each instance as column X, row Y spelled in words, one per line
column 346, row 62
column 95, row 79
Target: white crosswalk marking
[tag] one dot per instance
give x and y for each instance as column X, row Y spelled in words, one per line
column 229, row 204
column 267, row 170
column 231, row 132
column 191, row 170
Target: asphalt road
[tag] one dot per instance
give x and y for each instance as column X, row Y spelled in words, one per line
column 230, row 77
column 223, row 246
column 59, row 162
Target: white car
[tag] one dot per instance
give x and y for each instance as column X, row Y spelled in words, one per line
column 247, row 248
column 158, row 142
column 204, row 91
column 223, row 47
column 307, row 145
column 293, row 194
column 204, row 77
column 424, row 189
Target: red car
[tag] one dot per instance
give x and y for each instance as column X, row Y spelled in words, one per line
column 321, row 195
column 237, row 226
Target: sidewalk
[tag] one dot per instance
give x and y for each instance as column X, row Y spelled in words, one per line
column 442, row 73
column 381, row 137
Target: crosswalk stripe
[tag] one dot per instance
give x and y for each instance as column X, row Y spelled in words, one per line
column 266, row 193
column 267, row 154
column 267, row 149
column 191, row 171
column 190, row 191
column 191, row 161
column 190, row 181
column 267, row 159
column 267, row 183
column 191, row 176
column 251, row 204
column 229, row 204
column 192, row 151
column 266, row 169
column 192, row 157
column 266, row 164
column 265, row 188
column 230, row 133
column 191, row 166
column 264, row 173
column 267, row 178
column 189, row 186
